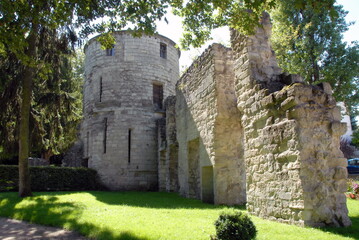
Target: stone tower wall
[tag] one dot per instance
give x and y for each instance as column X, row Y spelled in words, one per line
column 295, row 170
column 118, row 108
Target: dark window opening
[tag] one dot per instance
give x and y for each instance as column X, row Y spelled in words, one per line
column 207, row 185
column 163, row 50
column 157, row 96
column 85, row 162
column 129, row 145
column 101, row 89
column 110, row 52
column 105, row 136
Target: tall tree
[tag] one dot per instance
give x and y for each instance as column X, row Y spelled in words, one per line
column 55, row 108
column 10, row 69
column 310, row 43
column 200, row 17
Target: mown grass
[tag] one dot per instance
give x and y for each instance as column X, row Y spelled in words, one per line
column 148, row 215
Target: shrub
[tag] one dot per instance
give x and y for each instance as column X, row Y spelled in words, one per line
column 235, row 226
column 51, row 178
column 347, row 149
column 355, row 139
column 352, row 188
column 6, row 185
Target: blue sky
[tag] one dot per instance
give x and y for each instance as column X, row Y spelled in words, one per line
column 352, row 6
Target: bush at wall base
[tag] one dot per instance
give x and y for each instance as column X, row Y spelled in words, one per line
column 51, row 178
column 235, row 225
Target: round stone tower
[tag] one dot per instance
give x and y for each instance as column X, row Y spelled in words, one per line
column 124, row 91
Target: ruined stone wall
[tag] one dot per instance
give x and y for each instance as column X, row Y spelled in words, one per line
column 119, row 127
column 195, row 110
column 209, row 133
column 229, row 169
column 295, row 170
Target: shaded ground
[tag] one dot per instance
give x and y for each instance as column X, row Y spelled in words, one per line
column 11, row 229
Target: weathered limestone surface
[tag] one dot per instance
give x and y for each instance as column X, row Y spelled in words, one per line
column 119, row 127
column 295, row 170
column 209, row 132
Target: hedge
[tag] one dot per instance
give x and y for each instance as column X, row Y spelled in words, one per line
column 50, row 178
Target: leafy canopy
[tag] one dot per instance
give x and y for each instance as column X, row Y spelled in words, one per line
column 56, row 107
column 310, row 43
column 200, row 17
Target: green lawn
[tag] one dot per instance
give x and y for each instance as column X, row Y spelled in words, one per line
column 148, row 215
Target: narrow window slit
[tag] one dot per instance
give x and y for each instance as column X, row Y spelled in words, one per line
column 157, row 96
column 129, row 144
column 105, row 136
column 101, row 89
column 110, row 52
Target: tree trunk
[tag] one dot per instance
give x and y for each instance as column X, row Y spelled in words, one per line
column 316, row 72
column 315, row 67
column 24, row 135
column 47, row 155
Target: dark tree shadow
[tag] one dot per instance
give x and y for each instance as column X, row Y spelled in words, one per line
column 352, row 231
column 161, row 200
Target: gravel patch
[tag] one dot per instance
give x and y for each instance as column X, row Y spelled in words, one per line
column 11, row 229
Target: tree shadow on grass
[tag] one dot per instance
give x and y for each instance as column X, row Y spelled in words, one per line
column 161, row 200
column 352, row 231
column 46, row 209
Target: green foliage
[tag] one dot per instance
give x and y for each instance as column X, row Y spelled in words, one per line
column 355, row 138
column 352, row 186
column 200, row 17
column 56, row 109
column 6, row 185
column 51, row 178
column 354, row 122
column 310, row 43
column 106, row 40
column 235, row 225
